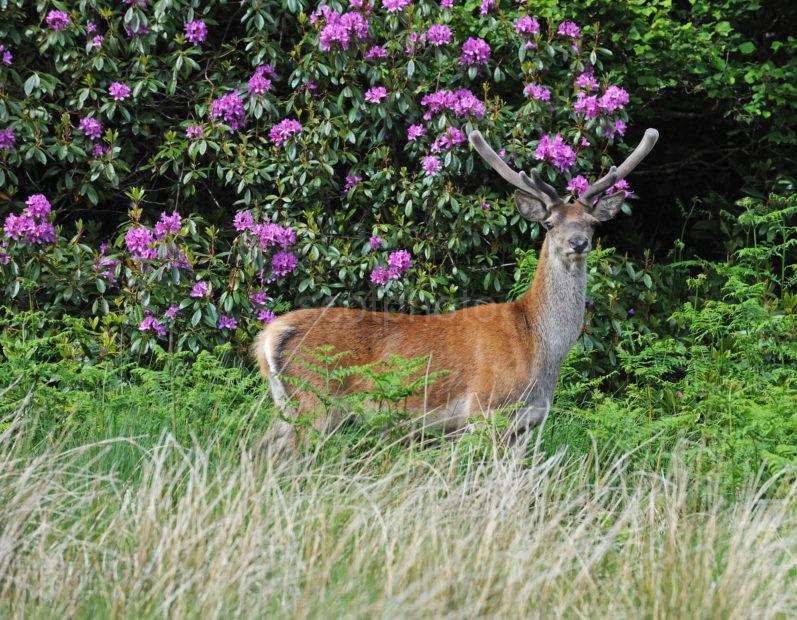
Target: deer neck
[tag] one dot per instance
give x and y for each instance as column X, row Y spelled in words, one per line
column 554, row 307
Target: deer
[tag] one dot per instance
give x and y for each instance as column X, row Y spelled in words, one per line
column 492, row 355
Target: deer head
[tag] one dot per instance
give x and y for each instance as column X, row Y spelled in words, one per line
column 571, row 225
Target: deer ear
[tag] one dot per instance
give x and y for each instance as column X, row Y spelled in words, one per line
column 608, row 206
column 531, row 207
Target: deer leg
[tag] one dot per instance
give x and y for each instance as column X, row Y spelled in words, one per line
column 525, row 419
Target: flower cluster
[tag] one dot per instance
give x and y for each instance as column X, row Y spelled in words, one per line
column 151, row 324
column 475, row 52
column 590, row 106
column 119, row 91
column 431, row 165
column 140, row 243
column 375, row 94
column 438, row 35
column 448, row 140
column 5, row 55
column 91, row 127
column 461, row 102
column 259, row 84
column 556, row 152
column 569, row 29
column 392, row 6
column 193, row 132
column 535, row 91
column 351, row 182
column 339, row 28
column 32, row 225
column 230, row 108
column 376, row 52
column 7, row 139
column 196, row 31
column 105, row 266
column 398, row 263
column 270, row 235
column 415, row 131
column 282, row 131
column 527, row 25
column 57, row 20
column 168, row 225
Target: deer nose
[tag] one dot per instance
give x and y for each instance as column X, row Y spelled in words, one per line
column 579, row 244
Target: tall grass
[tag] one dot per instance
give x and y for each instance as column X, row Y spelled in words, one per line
column 425, row 535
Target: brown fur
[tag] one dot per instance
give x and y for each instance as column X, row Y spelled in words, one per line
column 488, row 351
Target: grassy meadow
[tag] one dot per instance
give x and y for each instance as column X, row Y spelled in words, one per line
column 149, row 493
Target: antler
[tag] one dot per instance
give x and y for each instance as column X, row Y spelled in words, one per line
column 534, row 185
column 615, row 174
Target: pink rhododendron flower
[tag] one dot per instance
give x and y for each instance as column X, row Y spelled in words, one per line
column 618, row 128
column 168, row 225
column 569, row 29
column 376, row 53
column 196, row 31
column 448, row 140
column 119, row 91
column 200, row 289
column 461, row 102
column 282, row 131
column 399, row 262
column 91, row 127
column 486, row 7
column 193, row 132
column 586, row 105
column 539, row 93
column 431, row 165
column 375, row 242
column 438, row 35
column 527, row 25
column 339, row 28
column 227, row 322
column 446, row 4
column 375, row 94
column 282, row 263
column 139, row 242
column 265, row 315
column 414, row 132
column 555, row 151
column 475, row 52
column 99, row 150
column 57, row 20
column 613, row 99
column 380, row 275
column 620, row 186
column 151, row 324
column 259, row 84
column 243, row 220
column 578, row 184
column 231, row 108
column 97, row 41
column 586, row 82
column 172, row 312
column 38, row 207
column 391, row 6
column 7, row 139
column 351, row 182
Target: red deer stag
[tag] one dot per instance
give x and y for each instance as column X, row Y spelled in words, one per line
column 495, row 354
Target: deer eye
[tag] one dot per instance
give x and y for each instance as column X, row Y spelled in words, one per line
column 547, row 225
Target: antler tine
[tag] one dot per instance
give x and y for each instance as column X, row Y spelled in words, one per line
column 537, row 182
column 600, row 186
column 631, row 162
column 501, row 167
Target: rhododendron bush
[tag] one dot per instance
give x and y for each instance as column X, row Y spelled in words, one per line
column 183, row 171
